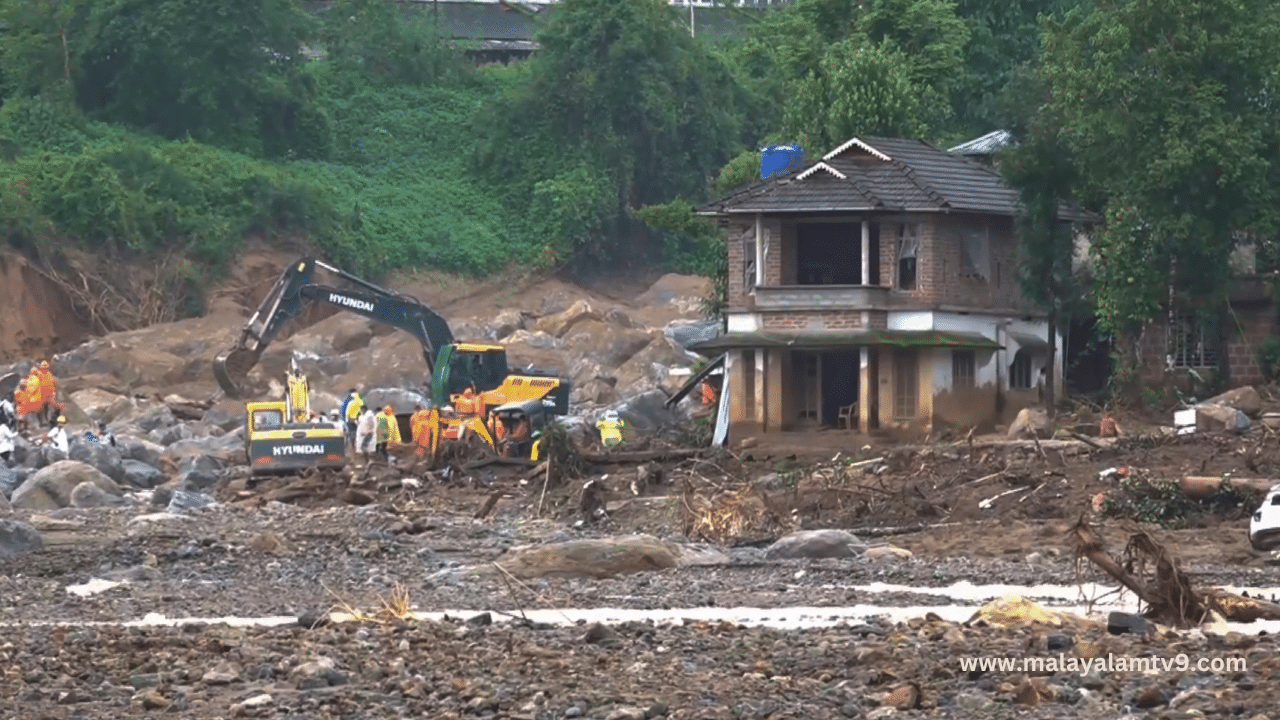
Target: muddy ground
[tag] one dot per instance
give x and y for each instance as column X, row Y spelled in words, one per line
column 354, row 541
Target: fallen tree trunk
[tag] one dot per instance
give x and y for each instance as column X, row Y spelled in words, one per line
column 639, row 456
column 1203, row 488
column 1167, row 594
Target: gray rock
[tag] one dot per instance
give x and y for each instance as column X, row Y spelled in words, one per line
column 645, row 412
column 1214, row 418
column 144, row 451
column 197, row 479
column 155, row 419
column 1245, row 399
column 170, row 434
column 1031, row 422
column 88, row 495
column 5, row 508
column 9, row 480
column 51, row 487
column 141, row 475
column 186, row 500
column 18, row 538
column 814, row 544
column 402, row 400
column 687, row 332
column 105, row 458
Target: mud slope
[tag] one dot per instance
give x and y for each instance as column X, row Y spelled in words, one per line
column 37, row 318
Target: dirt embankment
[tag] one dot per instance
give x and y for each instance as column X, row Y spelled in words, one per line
column 38, row 318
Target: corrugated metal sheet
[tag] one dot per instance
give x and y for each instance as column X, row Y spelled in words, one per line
column 985, row 145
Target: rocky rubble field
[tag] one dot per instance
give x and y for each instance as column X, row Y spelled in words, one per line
column 693, row 670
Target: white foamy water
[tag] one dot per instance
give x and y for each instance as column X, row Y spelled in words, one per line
column 1060, row 598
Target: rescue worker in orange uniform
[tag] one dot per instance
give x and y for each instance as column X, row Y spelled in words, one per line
column 466, row 404
column 420, row 424
column 26, row 402
column 708, row 394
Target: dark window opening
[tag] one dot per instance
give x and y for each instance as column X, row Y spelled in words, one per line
column 908, row 250
column 1020, row 371
column 831, row 254
column 1190, row 343
column 963, row 365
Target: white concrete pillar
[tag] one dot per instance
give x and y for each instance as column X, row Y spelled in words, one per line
column 760, row 250
column 864, row 389
column 761, row 416
column 866, row 252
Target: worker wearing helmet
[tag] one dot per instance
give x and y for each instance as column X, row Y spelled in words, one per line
column 387, row 432
column 610, row 427
column 58, row 436
column 420, row 424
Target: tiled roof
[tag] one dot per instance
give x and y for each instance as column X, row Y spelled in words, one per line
column 917, row 177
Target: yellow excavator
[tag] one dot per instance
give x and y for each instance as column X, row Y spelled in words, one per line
column 280, row 435
column 467, row 381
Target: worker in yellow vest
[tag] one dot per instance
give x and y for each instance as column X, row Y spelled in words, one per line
column 610, row 427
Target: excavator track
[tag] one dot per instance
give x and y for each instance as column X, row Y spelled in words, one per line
column 231, row 368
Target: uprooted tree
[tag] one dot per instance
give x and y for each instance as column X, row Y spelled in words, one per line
column 1151, row 573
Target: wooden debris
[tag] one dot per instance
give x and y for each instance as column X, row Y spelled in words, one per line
column 1167, row 592
column 489, row 504
column 639, row 456
column 1203, row 488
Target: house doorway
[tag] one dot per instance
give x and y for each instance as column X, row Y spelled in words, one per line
column 831, row 253
column 840, row 370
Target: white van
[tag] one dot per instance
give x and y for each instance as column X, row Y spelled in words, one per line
column 1264, row 527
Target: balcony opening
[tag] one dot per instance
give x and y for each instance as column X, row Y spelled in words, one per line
column 1020, row 371
column 831, row 254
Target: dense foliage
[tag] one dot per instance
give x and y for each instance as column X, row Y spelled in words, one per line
column 130, row 126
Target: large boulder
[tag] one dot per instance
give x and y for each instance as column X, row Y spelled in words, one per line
column 143, row 451
column 170, row 435
column 1215, row 418
column 508, row 322
column 18, row 538
column 534, row 339
column 9, row 480
column 51, row 487
column 141, row 475
column 1245, row 399
column 561, row 323
column 1030, row 423
column 595, row 558
column 104, row 457
column 88, row 495
column 607, row 344
column 684, row 333
column 645, row 412
column 400, row 399
column 100, row 405
column 816, row 544
column 226, row 414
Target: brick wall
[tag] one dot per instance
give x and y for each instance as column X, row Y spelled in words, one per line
column 950, row 287
column 824, row 320
column 1253, row 327
column 1250, row 327
column 739, row 232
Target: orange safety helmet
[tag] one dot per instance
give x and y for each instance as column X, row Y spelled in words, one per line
column 388, row 410
column 44, row 364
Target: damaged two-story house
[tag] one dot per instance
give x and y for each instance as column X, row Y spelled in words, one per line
column 878, row 289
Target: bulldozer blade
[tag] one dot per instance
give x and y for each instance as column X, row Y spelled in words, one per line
column 231, row 368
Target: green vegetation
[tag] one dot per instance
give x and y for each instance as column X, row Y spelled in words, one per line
column 131, row 127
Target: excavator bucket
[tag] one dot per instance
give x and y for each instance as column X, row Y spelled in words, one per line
column 231, row 368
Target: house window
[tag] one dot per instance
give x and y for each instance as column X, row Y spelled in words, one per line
column 1020, row 371
column 975, row 253
column 749, row 265
column 906, row 384
column 962, row 369
column 1189, row 343
column 908, row 250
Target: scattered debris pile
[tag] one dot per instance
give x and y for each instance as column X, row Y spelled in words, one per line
column 1153, row 575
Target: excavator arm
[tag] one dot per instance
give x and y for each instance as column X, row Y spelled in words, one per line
column 296, row 287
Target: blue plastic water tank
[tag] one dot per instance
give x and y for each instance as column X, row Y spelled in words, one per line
column 779, row 159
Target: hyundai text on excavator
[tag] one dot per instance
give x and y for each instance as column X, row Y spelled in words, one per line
column 280, row 436
column 453, row 367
